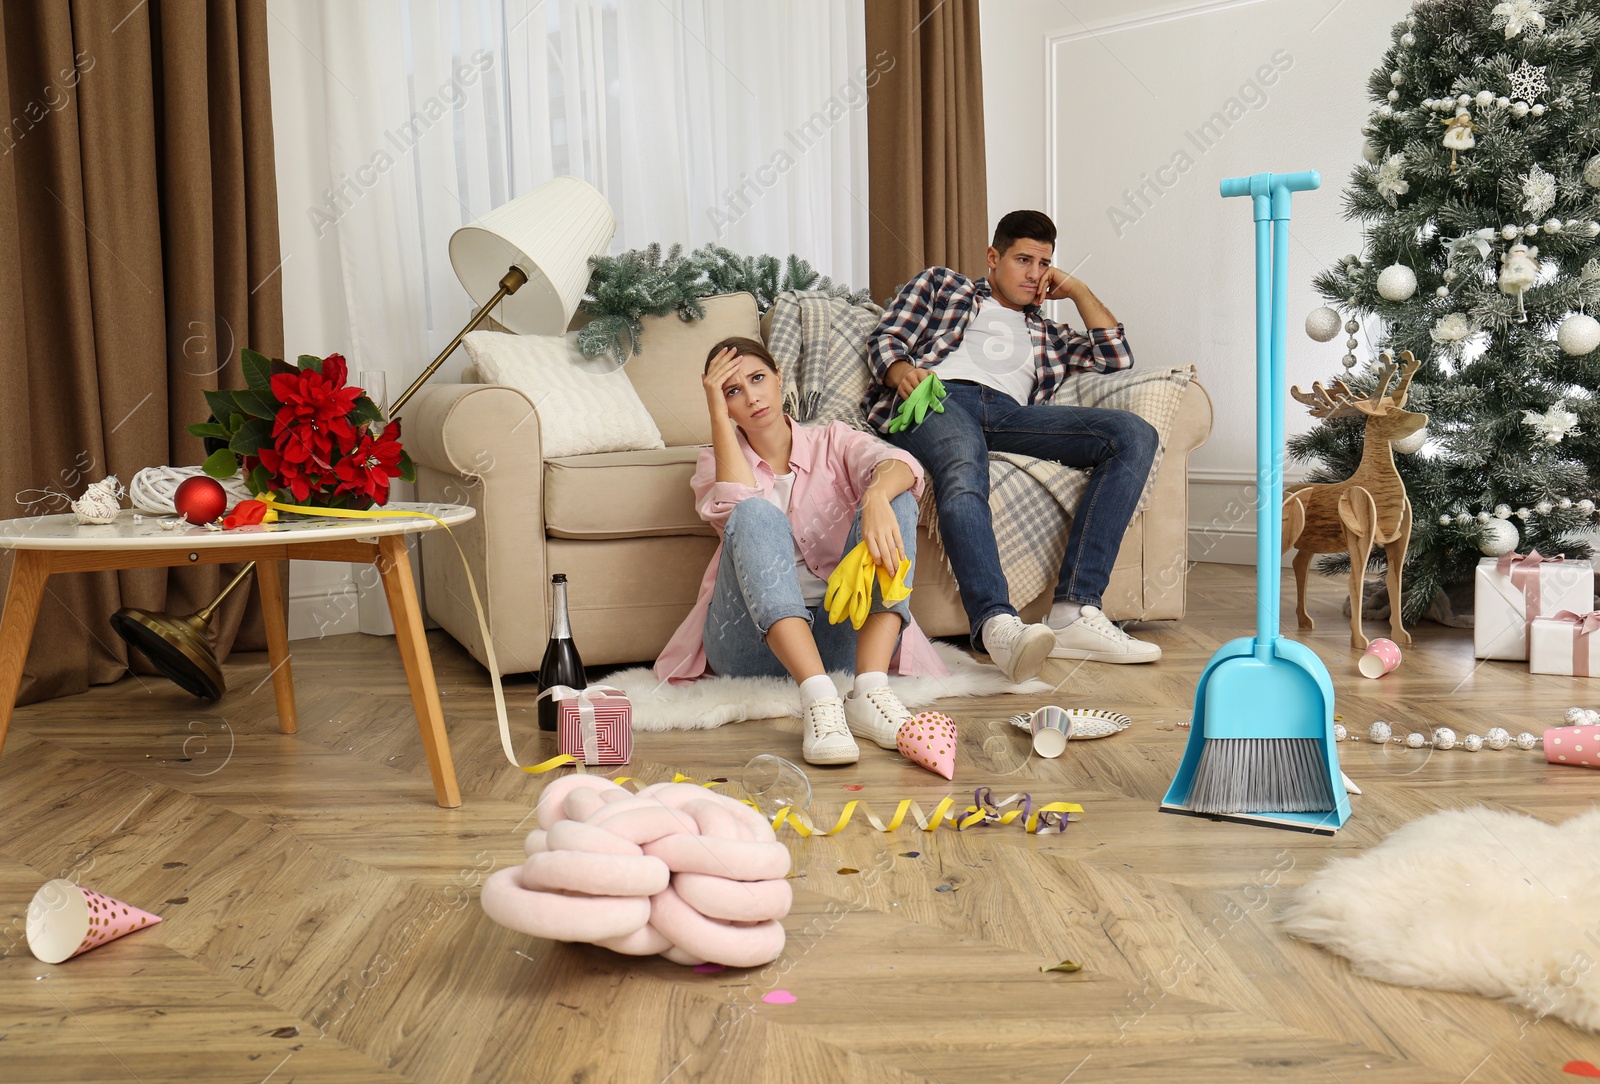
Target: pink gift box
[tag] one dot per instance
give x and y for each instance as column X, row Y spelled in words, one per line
column 606, row 714
column 1578, row 746
column 1513, row 590
column 1566, row 643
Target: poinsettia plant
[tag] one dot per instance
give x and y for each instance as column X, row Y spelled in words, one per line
column 303, row 434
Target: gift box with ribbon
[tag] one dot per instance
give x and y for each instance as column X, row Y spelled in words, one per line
column 595, row 724
column 1513, row 590
column 1565, row 644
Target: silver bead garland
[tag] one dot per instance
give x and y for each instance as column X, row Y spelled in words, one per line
column 1381, row 733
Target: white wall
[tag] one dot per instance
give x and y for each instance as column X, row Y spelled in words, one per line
column 1083, row 105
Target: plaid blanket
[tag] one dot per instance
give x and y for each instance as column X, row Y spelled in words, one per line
column 821, row 346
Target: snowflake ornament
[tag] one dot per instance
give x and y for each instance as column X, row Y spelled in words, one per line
column 1538, row 191
column 1517, row 16
column 1390, row 184
column 1553, row 424
column 1528, row 83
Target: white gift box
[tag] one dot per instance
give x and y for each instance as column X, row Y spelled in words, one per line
column 1568, row 643
column 1513, row 590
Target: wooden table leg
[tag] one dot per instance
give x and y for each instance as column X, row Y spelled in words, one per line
column 269, row 582
column 394, row 565
column 29, row 572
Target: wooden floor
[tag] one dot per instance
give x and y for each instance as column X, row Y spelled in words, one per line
column 321, row 919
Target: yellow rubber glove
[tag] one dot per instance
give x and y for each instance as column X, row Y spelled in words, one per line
column 850, row 586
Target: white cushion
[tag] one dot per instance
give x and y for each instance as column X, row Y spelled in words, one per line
column 585, row 404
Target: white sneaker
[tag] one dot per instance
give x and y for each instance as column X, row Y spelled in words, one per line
column 1094, row 637
column 1018, row 650
column 876, row 716
column 826, row 738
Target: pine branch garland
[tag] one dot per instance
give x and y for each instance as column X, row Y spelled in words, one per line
column 626, row 288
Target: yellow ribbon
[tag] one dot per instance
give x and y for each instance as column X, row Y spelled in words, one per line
column 803, row 825
column 472, row 585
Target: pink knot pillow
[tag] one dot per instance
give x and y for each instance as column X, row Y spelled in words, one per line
column 675, row 870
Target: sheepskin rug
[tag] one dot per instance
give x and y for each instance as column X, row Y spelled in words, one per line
column 1474, row 900
column 713, row 701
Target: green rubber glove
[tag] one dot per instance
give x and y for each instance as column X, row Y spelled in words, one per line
column 924, row 397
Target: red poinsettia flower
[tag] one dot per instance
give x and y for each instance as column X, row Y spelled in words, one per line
column 309, row 396
column 367, row 470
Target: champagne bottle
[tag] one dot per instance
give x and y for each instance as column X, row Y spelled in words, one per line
column 561, row 665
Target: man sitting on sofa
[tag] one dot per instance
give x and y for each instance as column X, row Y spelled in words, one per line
column 1001, row 362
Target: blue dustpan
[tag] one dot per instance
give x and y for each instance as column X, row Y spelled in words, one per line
column 1261, row 747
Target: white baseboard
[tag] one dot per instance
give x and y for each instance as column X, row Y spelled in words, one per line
column 1222, row 516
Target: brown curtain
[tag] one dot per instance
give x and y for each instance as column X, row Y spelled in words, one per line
column 926, row 173
column 138, row 254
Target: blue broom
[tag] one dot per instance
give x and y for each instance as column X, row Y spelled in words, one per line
column 1261, row 747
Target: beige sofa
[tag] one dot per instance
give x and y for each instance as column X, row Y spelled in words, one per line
column 623, row 528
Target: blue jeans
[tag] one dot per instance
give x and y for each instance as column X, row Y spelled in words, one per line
column 757, row 586
column 1116, row 447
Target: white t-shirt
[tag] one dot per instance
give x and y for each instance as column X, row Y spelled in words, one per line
column 996, row 351
column 812, row 588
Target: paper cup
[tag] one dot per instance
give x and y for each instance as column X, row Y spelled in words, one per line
column 1380, row 657
column 66, row 920
column 1051, row 727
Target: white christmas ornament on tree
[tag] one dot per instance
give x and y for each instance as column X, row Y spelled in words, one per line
column 1458, row 135
column 1517, row 16
column 1553, row 424
column 1579, row 334
column 1412, row 444
column 1538, row 191
column 1451, row 328
column 1528, row 83
column 1519, row 269
column 1397, row 282
column 1498, row 538
column 1390, row 184
column 1323, row 324
column 1591, row 172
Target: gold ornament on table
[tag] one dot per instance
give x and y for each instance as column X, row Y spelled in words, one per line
column 1458, row 135
column 1368, row 508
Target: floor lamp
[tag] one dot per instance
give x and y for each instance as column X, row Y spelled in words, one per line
column 529, row 257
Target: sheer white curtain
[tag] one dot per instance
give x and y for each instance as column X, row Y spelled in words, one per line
column 398, row 121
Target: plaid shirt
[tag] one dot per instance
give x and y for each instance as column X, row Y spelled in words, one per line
column 926, row 322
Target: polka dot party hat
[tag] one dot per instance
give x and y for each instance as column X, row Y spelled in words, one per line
column 929, row 739
column 66, row 920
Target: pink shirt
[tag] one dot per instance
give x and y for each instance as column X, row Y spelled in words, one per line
column 833, row 466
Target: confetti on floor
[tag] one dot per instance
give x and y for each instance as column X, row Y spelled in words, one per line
column 848, row 869
column 854, row 786
column 780, row 997
column 910, row 854
column 709, row 969
column 945, row 888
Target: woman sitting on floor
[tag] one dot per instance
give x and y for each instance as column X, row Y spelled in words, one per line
column 790, row 501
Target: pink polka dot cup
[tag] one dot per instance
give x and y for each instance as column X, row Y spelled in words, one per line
column 1380, row 657
column 1577, row 746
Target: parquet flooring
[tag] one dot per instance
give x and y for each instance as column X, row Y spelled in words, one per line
column 321, row 919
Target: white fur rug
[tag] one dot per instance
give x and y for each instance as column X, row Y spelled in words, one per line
column 1475, row 900
column 713, row 701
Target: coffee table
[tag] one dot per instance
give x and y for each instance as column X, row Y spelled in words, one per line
column 48, row 544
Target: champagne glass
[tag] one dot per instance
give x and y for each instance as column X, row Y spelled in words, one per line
column 375, row 382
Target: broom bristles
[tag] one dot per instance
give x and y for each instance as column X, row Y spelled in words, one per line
column 1261, row 775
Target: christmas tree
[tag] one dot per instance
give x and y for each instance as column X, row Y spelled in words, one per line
column 1480, row 209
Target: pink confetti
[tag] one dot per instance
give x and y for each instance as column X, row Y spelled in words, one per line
column 709, row 969
column 780, row 997
column 854, row 786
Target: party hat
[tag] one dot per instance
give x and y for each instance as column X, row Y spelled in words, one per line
column 66, row 920
column 929, row 739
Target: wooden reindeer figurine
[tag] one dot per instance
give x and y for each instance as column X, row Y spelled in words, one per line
column 1368, row 507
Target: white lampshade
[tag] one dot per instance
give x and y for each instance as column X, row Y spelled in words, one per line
column 550, row 233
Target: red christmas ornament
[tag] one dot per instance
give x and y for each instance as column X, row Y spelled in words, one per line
column 200, row 499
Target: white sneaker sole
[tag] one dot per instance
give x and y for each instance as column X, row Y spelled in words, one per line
column 840, row 756
column 1034, row 646
column 1121, row 658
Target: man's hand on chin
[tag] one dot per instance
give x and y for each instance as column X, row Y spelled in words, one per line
column 1055, row 285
